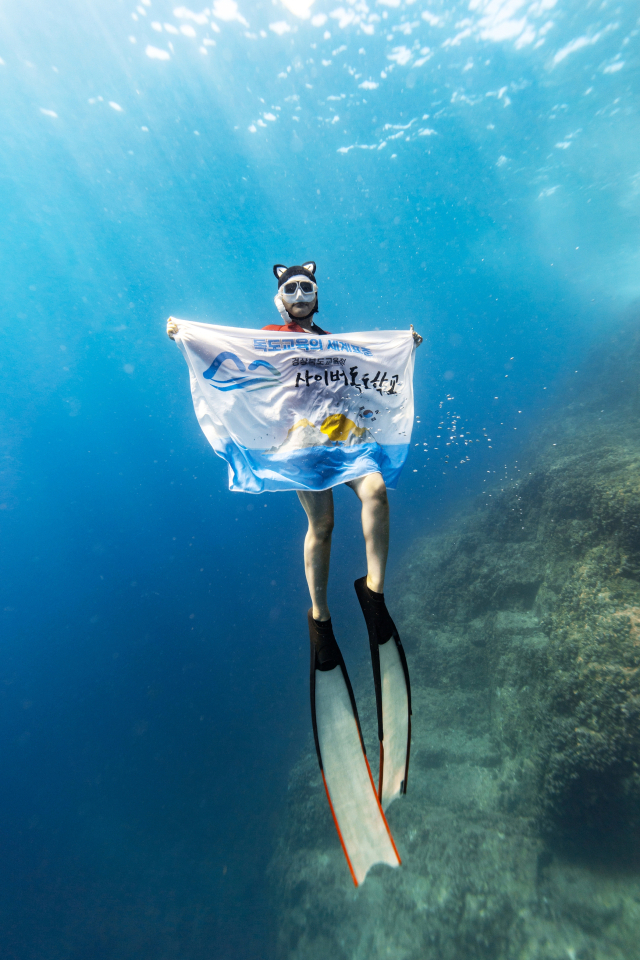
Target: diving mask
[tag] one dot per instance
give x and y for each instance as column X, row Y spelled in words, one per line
column 298, row 290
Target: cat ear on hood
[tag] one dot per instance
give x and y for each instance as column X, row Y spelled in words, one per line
column 310, row 267
column 278, row 270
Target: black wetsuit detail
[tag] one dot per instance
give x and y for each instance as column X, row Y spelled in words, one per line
column 319, row 332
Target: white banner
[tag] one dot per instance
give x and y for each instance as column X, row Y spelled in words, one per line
column 301, row 412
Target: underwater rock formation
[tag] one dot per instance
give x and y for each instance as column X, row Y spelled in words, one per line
column 520, row 834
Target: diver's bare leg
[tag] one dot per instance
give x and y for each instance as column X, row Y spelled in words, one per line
column 318, row 506
column 372, row 493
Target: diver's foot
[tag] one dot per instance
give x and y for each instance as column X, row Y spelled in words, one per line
column 327, row 652
column 375, row 610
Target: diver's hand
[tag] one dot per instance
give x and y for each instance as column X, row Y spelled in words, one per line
column 417, row 339
column 172, row 328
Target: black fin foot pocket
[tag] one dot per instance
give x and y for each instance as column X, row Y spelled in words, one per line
column 379, row 623
column 323, row 643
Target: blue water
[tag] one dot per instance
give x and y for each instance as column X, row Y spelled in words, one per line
column 472, row 168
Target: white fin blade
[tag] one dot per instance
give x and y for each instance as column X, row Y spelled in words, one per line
column 363, row 829
column 395, row 719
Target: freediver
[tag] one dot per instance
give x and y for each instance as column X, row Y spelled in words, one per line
column 340, row 748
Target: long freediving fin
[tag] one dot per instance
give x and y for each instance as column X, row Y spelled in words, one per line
column 393, row 694
column 362, row 827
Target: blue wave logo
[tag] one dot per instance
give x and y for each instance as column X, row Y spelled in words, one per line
column 247, row 377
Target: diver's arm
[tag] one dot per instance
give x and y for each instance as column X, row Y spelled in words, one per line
column 172, row 328
column 417, row 339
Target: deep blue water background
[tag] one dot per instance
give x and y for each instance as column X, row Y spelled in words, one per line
column 153, row 662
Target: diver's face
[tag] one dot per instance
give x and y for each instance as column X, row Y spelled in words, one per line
column 299, row 295
column 301, row 308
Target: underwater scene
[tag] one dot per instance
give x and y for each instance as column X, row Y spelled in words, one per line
column 434, row 206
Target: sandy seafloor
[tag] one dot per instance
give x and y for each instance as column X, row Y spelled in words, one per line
column 521, row 618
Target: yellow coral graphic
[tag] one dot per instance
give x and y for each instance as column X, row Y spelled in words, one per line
column 300, row 423
column 338, row 428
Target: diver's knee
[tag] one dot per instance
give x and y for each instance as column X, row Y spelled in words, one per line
column 321, row 530
column 377, row 492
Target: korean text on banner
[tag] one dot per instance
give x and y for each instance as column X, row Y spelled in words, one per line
column 301, row 412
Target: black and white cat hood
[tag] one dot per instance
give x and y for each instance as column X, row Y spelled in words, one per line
column 282, row 273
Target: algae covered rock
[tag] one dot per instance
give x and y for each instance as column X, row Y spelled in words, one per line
column 552, row 625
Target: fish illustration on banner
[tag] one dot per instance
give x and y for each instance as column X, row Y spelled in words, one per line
column 301, row 412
